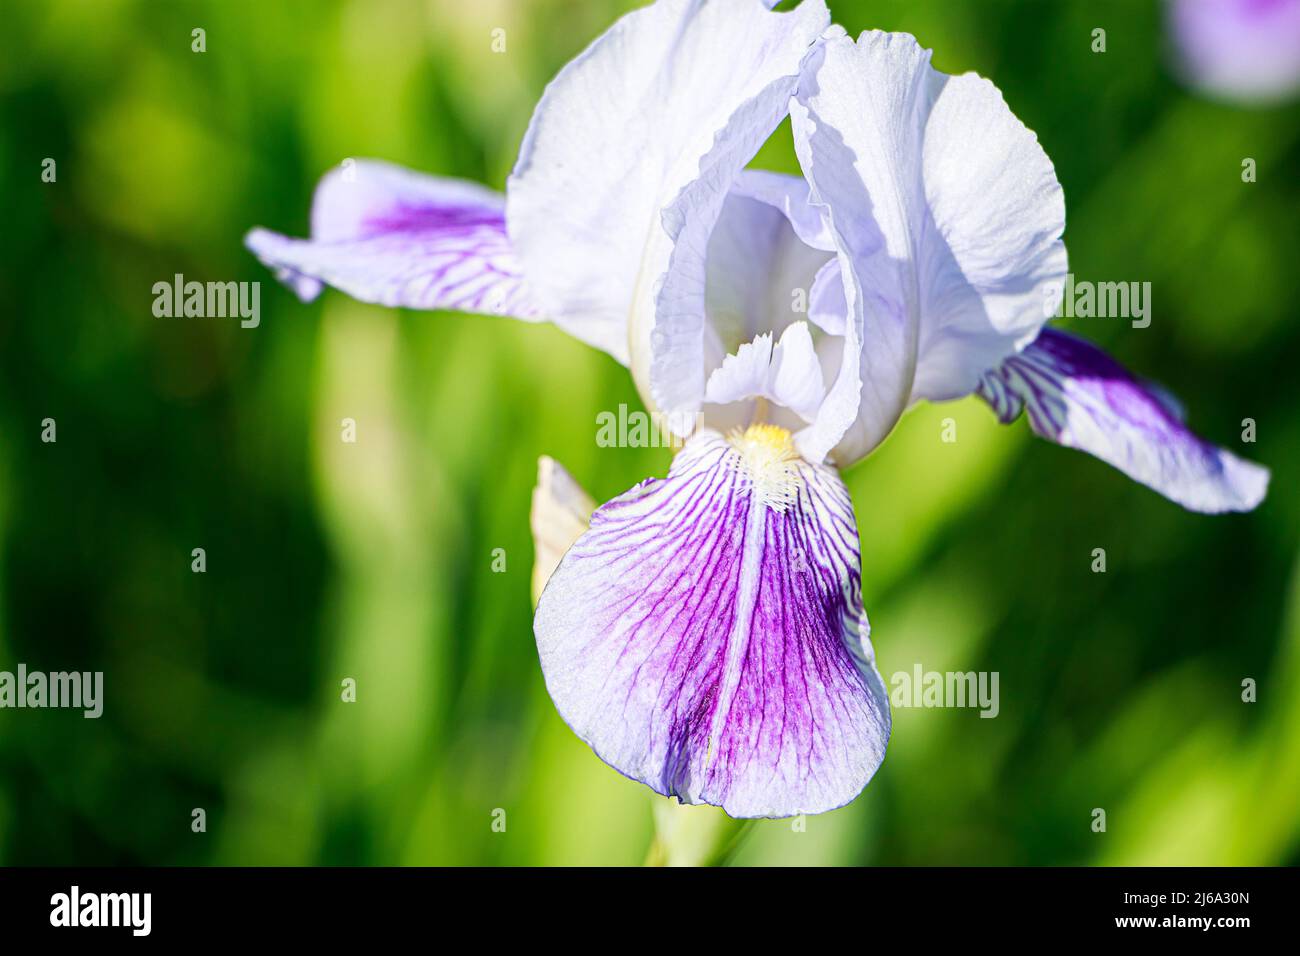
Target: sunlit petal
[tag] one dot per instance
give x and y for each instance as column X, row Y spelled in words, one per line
column 947, row 217
column 560, row 513
column 706, row 635
column 1076, row 395
column 761, row 274
column 391, row 236
column 788, row 374
column 655, row 118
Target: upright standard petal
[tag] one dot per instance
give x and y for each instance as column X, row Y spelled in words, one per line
column 791, row 195
column 947, row 218
column 761, row 283
column 706, row 635
column 1077, row 396
column 761, row 272
column 662, row 110
column 387, row 235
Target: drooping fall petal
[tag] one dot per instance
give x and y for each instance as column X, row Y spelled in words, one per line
column 706, row 635
column 391, row 236
column 1076, row 395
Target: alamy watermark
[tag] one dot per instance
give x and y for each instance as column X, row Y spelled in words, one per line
column 209, row 300
column 920, row 688
column 638, row 429
column 1102, row 300
column 132, row 911
column 78, row 690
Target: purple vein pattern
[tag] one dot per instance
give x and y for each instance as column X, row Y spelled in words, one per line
column 1076, row 395
column 714, row 646
column 389, row 236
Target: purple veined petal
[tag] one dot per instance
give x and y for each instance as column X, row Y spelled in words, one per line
column 706, row 635
column 1241, row 50
column 387, row 235
column 1076, row 395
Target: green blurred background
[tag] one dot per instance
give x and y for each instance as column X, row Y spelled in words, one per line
column 326, row 560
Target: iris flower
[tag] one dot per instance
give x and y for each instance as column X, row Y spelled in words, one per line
column 705, row 634
column 1240, row 50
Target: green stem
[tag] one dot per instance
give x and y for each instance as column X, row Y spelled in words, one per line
column 688, row 835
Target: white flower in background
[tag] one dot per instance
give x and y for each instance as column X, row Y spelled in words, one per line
column 706, row 634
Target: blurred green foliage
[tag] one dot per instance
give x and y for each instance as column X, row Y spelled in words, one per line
column 373, row 561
